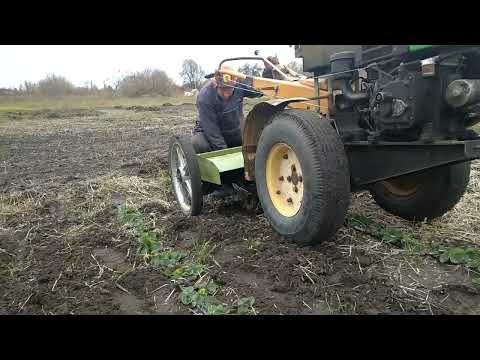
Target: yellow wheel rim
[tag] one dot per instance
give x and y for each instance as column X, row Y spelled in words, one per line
column 284, row 180
column 404, row 186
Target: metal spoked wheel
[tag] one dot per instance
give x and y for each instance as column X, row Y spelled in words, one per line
column 182, row 181
column 185, row 176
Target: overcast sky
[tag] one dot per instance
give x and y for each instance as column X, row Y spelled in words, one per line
column 99, row 63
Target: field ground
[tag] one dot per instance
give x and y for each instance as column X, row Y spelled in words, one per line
column 12, row 104
column 67, row 247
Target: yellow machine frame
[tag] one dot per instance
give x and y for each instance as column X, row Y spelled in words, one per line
column 294, row 94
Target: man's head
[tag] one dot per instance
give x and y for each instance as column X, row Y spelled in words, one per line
column 273, row 60
column 225, row 84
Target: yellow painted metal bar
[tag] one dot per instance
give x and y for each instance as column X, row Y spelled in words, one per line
column 282, row 89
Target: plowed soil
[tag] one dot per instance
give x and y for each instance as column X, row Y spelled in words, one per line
column 63, row 249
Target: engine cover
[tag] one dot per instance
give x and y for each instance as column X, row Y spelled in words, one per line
column 395, row 106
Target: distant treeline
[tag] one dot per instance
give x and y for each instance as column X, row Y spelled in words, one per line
column 143, row 83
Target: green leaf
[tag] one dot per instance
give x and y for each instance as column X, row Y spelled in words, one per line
column 132, row 218
column 472, row 256
column 472, row 263
column 216, row 309
column 202, row 292
column 244, row 305
column 170, row 259
column 202, row 302
column 471, row 252
column 457, row 256
column 178, row 272
column 246, row 301
column 195, row 269
column 476, row 280
column 200, row 285
column 212, row 287
column 188, row 296
column 244, row 310
column 391, row 236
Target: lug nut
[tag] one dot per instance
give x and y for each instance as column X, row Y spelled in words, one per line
column 289, row 200
column 285, row 156
column 281, row 178
column 289, row 178
column 278, row 192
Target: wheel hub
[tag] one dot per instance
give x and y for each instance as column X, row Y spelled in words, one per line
column 284, row 179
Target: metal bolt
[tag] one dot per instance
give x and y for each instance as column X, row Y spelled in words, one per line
column 281, row 178
column 285, row 156
column 289, row 178
column 278, row 192
column 300, row 178
column 289, row 200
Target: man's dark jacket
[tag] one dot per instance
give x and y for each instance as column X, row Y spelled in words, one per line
column 218, row 119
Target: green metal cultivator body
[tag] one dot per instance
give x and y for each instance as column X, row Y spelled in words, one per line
column 213, row 164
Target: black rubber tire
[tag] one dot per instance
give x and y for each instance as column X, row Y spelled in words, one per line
column 437, row 191
column 191, row 159
column 325, row 172
column 208, row 188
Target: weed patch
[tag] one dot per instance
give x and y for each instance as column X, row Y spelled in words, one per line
column 202, row 297
column 182, row 269
column 466, row 256
column 393, row 237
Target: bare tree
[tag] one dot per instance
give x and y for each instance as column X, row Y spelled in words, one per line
column 29, row 87
column 295, row 66
column 54, row 85
column 147, row 82
column 251, row 70
column 192, row 73
column 298, row 68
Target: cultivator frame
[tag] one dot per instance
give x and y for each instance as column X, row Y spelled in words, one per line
column 364, row 129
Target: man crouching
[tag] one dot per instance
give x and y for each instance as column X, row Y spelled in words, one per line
column 220, row 116
column 220, row 111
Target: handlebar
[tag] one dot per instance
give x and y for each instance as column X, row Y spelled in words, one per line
column 265, row 60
